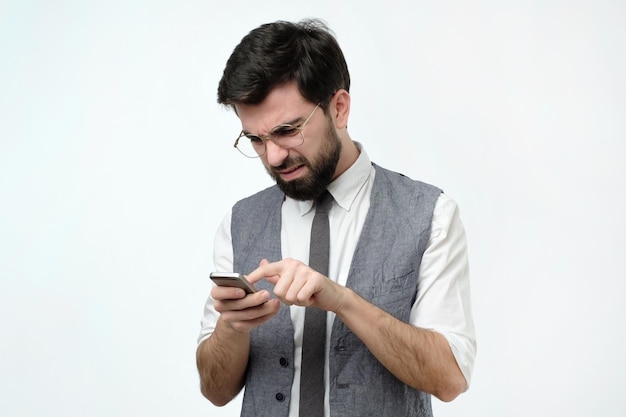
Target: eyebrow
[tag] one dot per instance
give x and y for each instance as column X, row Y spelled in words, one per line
column 294, row 122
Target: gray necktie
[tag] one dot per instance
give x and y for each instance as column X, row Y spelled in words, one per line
column 314, row 337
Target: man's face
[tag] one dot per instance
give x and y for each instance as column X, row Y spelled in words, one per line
column 303, row 172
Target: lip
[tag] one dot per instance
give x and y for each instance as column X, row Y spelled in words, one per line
column 291, row 173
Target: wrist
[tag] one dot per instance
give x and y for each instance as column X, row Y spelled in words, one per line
column 345, row 298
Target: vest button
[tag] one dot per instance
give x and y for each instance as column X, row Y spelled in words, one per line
column 283, row 362
column 280, row 397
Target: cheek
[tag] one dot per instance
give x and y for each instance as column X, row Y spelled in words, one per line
column 313, row 145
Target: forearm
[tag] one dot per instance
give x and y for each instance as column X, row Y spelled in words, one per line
column 395, row 344
column 222, row 360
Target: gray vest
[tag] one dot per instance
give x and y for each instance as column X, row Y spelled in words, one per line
column 384, row 271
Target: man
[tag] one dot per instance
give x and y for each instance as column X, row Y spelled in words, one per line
column 395, row 298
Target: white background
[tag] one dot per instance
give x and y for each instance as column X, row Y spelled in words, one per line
column 116, row 166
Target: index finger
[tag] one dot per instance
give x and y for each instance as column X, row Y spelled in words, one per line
column 265, row 270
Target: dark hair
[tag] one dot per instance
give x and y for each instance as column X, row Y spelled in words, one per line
column 277, row 53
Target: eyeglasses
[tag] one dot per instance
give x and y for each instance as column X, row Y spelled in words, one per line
column 285, row 135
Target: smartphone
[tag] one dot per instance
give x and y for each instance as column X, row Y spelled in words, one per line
column 233, row 279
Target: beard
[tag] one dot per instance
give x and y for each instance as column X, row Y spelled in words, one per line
column 321, row 170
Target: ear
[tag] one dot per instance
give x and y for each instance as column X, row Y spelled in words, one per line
column 340, row 108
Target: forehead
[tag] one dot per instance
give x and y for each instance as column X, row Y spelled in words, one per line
column 284, row 104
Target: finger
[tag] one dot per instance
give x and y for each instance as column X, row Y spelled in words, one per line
column 249, row 313
column 282, row 285
column 268, row 270
column 249, row 320
column 309, row 292
column 227, row 293
column 305, row 287
column 249, row 301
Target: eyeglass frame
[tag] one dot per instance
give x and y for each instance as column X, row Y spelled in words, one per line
column 267, row 137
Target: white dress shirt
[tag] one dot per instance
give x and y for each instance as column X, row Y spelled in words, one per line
column 443, row 300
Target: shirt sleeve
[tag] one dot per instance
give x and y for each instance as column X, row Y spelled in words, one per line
column 223, row 261
column 443, row 301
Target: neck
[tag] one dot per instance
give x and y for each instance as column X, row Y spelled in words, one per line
column 349, row 154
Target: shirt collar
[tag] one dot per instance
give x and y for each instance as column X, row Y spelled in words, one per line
column 347, row 186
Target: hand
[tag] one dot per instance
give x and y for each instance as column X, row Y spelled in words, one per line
column 243, row 312
column 295, row 283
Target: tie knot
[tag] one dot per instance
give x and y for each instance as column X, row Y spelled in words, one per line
column 323, row 202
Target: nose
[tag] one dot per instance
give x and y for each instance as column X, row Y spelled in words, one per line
column 274, row 154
